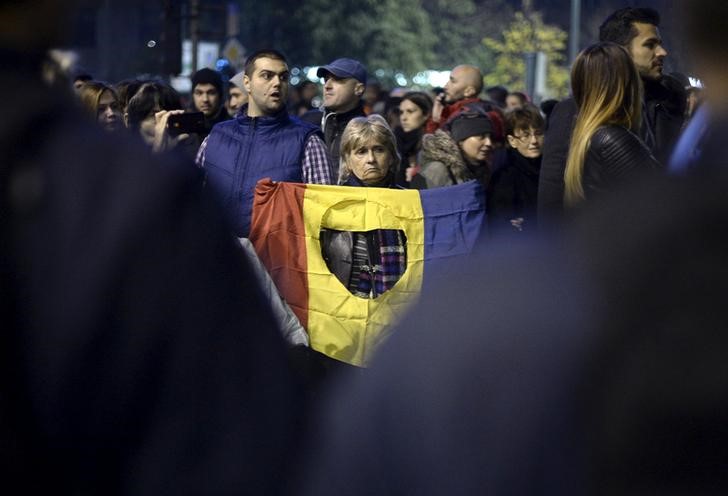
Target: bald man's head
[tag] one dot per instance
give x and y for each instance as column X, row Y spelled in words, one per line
column 466, row 81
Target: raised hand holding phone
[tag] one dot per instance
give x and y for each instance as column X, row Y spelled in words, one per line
column 166, row 137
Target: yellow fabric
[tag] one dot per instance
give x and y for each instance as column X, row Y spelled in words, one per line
column 340, row 324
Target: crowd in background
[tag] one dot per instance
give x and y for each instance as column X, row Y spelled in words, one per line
column 431, row 153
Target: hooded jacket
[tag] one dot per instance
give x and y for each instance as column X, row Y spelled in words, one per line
column 443, row 163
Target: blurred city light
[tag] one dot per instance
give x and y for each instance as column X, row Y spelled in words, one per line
column 311, row 74
column 436, row 78
column 695, row 82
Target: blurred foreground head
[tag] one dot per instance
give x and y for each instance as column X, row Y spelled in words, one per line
column 594, row 367
column 33, row 25
column 704, row 22
column 654, row 392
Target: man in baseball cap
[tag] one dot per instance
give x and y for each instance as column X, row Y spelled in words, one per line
column 344, row 84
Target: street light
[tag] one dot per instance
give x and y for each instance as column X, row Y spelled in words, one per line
column 575, row 30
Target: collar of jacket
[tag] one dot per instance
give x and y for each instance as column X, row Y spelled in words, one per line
column 220, row 116
column 529, row 166
column 262, row 120
column 357, row 111
column 667, row 92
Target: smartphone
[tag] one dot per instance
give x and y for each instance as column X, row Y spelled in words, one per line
column 189, row 122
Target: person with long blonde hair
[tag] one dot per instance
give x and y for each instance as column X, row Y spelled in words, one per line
column 101, row 103
column 605, row 149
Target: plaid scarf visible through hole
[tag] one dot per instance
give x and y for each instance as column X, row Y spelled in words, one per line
column 386, row 263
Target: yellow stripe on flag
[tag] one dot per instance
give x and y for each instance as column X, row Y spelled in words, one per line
column 341, row 325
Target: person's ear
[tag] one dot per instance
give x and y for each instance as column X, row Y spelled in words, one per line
column 469, row 91
column 246, row 83
column 126, row 119
column 511, row 140
column 359, row 89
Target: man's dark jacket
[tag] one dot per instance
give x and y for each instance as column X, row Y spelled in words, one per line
column 333, row 125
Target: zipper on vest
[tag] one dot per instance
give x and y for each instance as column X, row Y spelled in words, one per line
column 240, row 186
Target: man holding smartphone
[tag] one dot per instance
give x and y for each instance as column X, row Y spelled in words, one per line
column 262, row 142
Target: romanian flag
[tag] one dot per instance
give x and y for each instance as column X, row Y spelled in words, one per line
column 286, row 226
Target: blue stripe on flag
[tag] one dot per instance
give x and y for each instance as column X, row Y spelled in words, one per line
column 454, row 217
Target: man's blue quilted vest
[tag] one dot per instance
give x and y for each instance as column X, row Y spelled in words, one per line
column 244, row 150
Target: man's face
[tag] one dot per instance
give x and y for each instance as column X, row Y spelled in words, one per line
column 237, row 99
column 206, row 99
column 341, row 94
column 647, row 51
column 456, row 85
column 267, row 87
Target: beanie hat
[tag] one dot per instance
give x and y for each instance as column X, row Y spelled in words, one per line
column 207, row 76
column 467, row 125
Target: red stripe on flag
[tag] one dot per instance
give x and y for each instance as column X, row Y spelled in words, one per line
column 279, row 218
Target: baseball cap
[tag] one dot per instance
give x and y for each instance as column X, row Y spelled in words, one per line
column 345, row 68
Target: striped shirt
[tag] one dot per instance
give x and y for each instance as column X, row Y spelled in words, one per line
column 316, row 166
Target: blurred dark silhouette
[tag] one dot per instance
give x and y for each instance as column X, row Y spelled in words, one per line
column 595, row 365
column 138, row 356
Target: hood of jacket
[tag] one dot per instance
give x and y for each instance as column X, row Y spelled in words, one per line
column 440, row 147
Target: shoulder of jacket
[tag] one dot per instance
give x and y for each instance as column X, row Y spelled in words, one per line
column 616, row 144
column 611, row 134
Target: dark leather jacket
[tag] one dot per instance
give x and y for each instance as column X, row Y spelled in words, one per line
column 662, row 116
column 662, row 121
column 615, row 154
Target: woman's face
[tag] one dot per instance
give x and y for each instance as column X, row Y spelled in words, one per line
column 147, row 128
column 411, row 116
column 370, row 162
column 513, row 102
column 108, row 113
column 477, row 149
column 527, row 142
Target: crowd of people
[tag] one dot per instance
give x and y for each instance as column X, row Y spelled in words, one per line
column 578, row 349
column 629, row 122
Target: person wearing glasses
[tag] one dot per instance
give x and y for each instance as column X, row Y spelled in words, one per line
column 513, row 188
